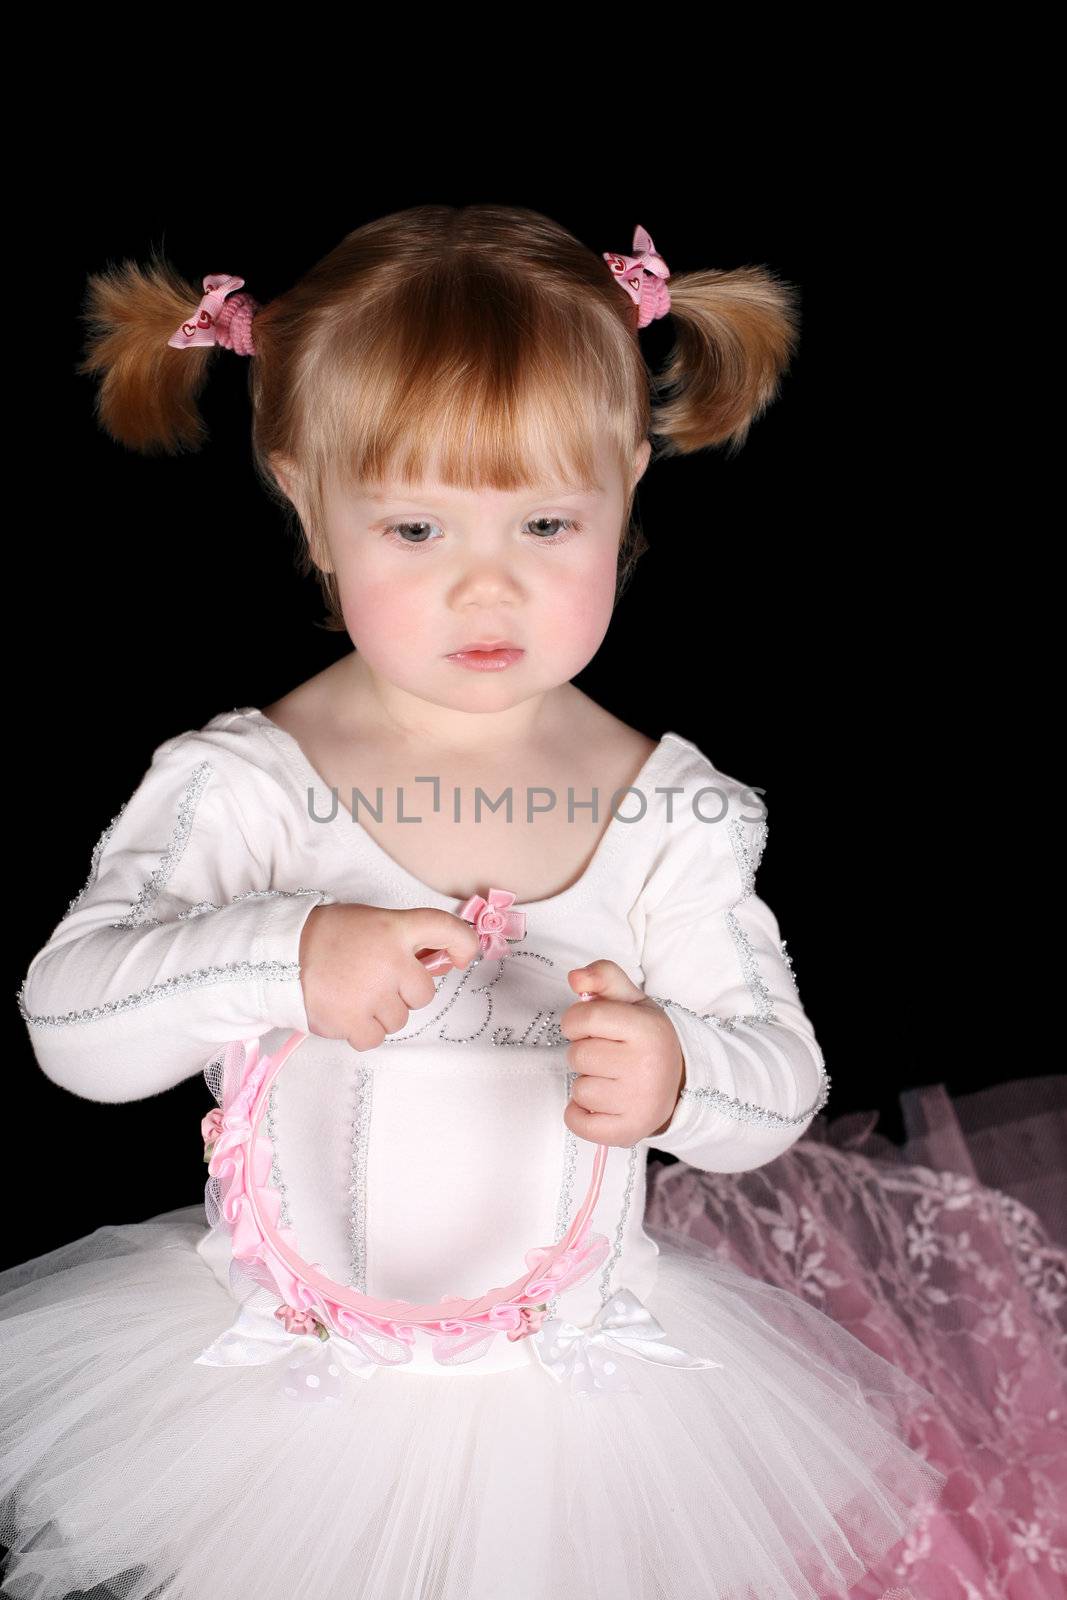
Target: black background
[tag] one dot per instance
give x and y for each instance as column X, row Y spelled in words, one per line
column 800, row 616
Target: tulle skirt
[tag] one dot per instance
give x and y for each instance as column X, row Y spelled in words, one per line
column 786, row 1473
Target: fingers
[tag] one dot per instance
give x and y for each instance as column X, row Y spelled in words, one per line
column 442, row 930
column 390, row 1015
column 596, row 1018
column 596, row 1094
column 417, row 989
column 368, row 1036
column 391, row 1012
column 595, row 1058
column 606, row 980
column 597, row 1127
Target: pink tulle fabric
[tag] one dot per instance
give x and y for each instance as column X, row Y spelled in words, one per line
column 960, row 1283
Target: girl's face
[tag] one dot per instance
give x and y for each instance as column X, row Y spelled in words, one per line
column 426, row 570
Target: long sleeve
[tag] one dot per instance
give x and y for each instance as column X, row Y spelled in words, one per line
column 713, row 959
column 181, row 940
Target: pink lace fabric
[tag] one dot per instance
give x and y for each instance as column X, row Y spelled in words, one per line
column 947, row 1256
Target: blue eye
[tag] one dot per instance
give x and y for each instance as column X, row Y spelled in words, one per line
column 564, row 523
column 396, row 530
column 395, row 526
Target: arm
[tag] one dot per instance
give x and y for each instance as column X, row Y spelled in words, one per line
column 178, row 943
column 713, row 960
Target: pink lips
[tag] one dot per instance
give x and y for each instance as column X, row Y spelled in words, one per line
column 490, row 658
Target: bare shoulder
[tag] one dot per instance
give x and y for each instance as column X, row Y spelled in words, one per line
column 608, row 743
column 281, row 712
column 306, row 712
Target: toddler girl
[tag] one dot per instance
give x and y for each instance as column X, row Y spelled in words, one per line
column 567, row 953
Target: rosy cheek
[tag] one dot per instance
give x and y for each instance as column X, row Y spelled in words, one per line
column 579, row 615
column 375, row 611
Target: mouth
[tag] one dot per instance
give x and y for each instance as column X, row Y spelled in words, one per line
column 487, row 655
column 485, row 644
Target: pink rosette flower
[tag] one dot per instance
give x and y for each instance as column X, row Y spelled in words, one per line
column 211, row 1129
column 530, row 1320
column 516, row 1320
column 493, row 922
column 490, row 921
column 296, row 1321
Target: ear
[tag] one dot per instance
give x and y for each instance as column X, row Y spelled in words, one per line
column 640, row 462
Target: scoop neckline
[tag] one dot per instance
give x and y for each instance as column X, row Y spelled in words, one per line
column 389, row 871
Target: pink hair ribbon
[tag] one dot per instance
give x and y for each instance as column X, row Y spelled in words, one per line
column 219, row 320
column 643, row 276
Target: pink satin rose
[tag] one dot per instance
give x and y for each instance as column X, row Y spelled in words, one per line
column 296, row 1321
column 530, row 1320
column 493, row 921
column 211, row 1127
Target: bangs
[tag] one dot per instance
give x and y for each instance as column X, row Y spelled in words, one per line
column 478, row 349
column 474, row 380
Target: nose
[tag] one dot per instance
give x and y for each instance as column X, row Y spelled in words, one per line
column 486, row 581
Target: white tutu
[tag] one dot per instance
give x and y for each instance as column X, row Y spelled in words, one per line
column 131, row 1471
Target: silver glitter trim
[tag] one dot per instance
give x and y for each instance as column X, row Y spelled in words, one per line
column 542, row 1030
column 275, row 1167
column 620, row 1230
column 94, row 865
column 194, row 789
column 357, row 1188
column 232, row 972
column 201, row 906
column 788, row 959
column 748, row 859
column 748, row 856
column 744, row 1110
column 565, row 1203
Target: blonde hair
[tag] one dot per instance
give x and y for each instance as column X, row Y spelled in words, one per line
column 483, row 345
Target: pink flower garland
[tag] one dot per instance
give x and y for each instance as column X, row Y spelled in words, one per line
column 227, row 1139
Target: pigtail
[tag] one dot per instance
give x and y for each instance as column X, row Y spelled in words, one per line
column 147, row 395
column 736, row 333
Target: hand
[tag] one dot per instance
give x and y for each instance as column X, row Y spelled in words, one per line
column 360, row 971
column 629, row 1055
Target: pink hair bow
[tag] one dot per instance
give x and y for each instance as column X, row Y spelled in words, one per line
column 216, row 322
column 643, row 276
column 494, row 924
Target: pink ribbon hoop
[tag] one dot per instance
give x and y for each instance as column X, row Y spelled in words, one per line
column 241, row 1161
column 314, row 1306
column 241, row 1158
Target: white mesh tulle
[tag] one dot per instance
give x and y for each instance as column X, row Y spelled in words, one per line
column 132, row 1472
column 784, row 1475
